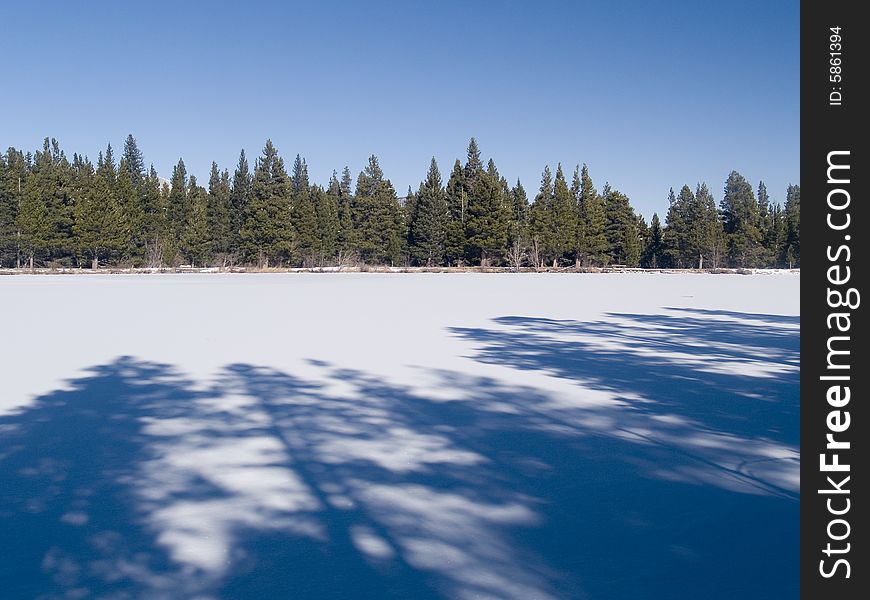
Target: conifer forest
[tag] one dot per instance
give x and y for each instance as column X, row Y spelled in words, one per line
column 62, row 212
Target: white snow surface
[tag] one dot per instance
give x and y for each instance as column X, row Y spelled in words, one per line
column 421, row 435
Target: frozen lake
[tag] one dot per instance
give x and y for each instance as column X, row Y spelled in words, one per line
column 399, row 435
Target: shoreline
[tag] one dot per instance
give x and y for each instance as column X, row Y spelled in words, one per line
column 380, row 269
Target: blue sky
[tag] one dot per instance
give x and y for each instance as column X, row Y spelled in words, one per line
column 648, row 94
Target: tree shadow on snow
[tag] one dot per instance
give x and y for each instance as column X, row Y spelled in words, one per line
column 678, row 481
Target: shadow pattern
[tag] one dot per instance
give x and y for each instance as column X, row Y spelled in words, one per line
column 669, row 474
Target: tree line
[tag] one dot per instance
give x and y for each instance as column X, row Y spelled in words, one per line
column 57, row 212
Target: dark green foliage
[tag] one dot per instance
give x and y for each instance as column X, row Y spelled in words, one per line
column 219, row 215
column 427, row 227
column 196, row 239
column 457, row 208
column 132, row 162
column 59, row 212
column 177, row 210
column 563, row 220
column 13, row 176
column 240, row 195
column 741, row 219
column 377, row 217
column 347, row 234
column 49, row 184
column 303, row 214
column 98, row 218
column 791, row 252
column 267, row 234
column 328, row 225
column 518, row 227
column 653, row 256
column 487, row 222
column 621, row 228
column 594, row 249
column 540, row 218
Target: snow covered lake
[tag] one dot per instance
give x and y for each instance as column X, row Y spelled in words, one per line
column 399, row 436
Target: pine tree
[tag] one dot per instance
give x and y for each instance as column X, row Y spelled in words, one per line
column 767, row 253
column 541, row 221
column 377, row 217
column 791, row 255
column 219, row 214
column 154, row 225
column 239, row 198
column 267, row 234
column 196, row 240
column 457, row 208
column 33, row 223
column 518, row 230
column 704, row 236
column 13, row 175
column 594, row 243
column 428, row 221
column 741, row 219
column 132, row 216
column 50, row 180
column 348, row 240
column 304, row 216
column 676, row 229
column 487, row 224
column 563, row 222
column 98, row 225
column 177, row 210
column 328, row 227
column 653, row 253
column 621, row 228
column 579, row 222
column 133, row 162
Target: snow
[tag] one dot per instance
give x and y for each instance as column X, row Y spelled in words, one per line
column 400, row 435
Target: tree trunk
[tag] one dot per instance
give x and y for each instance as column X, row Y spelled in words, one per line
column 31, row 261
column 700, row 261
column 95, row 264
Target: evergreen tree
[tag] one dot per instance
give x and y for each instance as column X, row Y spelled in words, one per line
column 13, row 175
column 654, row 251
column 239, row 198
column 792, row 218
column 563, row 221
column 741, row 219
column 177, row 209
column 377, row 217
column 541, row 221
column 219, row 214
column 594, row 245
column 487, row 224
column 304, row 216
column 154, row 226
column 704, row 236
column 428, row 221
column 133, row 162
column 50, row 180
column 457, row 208
column 32, row 222
column 621, row 228
column 348, row 240
column 676, row 228
column 579, row 223
column 132, row 216
column 98, row 225
column 328, row 226
column 518, row 229
column 197, row 240
column 267, row 234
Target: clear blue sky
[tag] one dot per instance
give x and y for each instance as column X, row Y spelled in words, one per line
column 648, row 94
